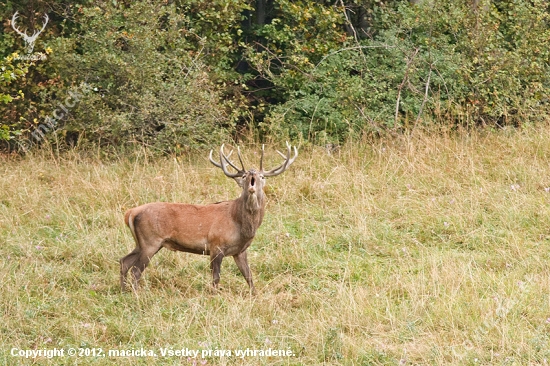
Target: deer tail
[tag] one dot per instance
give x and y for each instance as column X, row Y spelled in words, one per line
column 129, row 220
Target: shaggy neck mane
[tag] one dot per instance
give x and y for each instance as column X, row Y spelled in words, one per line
column 250, row 211
column 252, row 205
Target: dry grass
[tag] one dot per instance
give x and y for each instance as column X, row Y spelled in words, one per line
column 431, row 249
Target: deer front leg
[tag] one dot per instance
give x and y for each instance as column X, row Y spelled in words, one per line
column 216, row 259
column 242, row 263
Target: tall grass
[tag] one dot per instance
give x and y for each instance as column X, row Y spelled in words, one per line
column 430, row 249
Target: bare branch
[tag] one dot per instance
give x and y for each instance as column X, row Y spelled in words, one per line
column 425, row 97
column 405, row 78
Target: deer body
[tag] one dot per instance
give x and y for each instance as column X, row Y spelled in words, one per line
column 219, row 230
column 194, row 228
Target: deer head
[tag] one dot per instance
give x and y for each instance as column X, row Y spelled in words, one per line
column 252, row 181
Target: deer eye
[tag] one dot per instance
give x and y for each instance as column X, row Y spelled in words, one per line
column 262, row 177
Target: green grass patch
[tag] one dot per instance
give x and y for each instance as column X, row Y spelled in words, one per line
column 431, row 249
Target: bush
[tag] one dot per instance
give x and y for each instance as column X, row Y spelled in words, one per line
column 187, row 74
column 148, row 83
column 436, row 62
column 34, row 80
column 10, row 72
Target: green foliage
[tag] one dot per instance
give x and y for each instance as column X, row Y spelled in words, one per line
column 507, row 47
column 436, row 62
column 39, row 83
column 296, row 40
column 215, row 28
column 188, row 73
column 10, row 72
column 149, row 82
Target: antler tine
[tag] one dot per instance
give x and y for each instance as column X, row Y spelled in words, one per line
column 46, row 19
column 280, row 153
column 240, row 158
column 226, row 157
column 214, row 162
column 223, row 166
column 286, row 164
column 36, row 33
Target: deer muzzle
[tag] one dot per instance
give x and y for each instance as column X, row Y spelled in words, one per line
column 252, row 186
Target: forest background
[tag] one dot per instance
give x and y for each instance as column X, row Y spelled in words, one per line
column 186, row 74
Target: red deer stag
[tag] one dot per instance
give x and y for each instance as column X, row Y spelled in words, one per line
column 221, row 229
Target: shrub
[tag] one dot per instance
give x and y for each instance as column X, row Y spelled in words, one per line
column 149, row 84
column 186, row 74
column 10, row 72
column 435, row 62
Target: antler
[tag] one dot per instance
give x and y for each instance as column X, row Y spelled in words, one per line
column 223, row 165
column 282, row 167
column 224, row 161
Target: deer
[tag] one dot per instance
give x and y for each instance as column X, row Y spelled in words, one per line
column 219, row 229
column 29, row 40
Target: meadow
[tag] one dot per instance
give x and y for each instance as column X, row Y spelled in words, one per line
column 424, row 248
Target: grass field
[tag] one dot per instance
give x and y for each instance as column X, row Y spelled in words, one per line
column 430, row 249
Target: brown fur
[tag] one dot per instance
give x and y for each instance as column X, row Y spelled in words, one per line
column 218, row 230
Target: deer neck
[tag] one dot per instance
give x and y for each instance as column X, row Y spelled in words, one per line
column 249, row 213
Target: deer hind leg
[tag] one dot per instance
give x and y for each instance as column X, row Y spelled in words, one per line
column 142, row 261
column 242, row 262
column 126, row 263
column 216, row 259
column 136, row 262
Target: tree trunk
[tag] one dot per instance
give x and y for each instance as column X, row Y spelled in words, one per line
column 260, row 11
